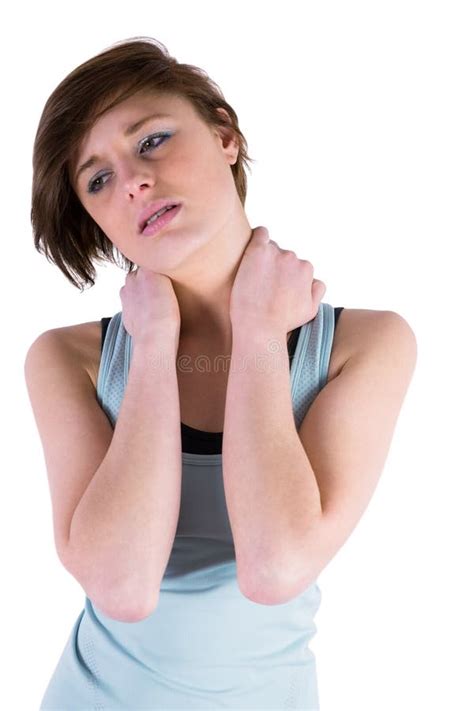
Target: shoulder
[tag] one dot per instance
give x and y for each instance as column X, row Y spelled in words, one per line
column 81, row 342
column 86, row 340
column 360, row 330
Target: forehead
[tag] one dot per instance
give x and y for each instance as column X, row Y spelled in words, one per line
column 133, row 108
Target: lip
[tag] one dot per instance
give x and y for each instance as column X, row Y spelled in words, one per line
column 161, row 222
column 150, row 210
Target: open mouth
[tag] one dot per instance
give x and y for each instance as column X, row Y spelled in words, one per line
column 160, row 218
column 157, row 214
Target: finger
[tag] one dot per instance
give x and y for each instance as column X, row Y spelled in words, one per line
column 261, row 233
column 318, row 289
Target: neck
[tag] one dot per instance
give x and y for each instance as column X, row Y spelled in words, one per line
column 204, row 294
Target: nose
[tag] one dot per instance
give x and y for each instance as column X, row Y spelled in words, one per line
column 136, row 178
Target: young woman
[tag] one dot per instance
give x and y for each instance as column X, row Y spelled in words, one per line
column 196, row 504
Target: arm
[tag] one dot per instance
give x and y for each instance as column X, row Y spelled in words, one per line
column 271, row 493
column 123, row 527
column 295, row 496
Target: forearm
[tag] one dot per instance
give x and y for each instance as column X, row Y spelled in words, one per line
column 123, row 528
column 271, row 491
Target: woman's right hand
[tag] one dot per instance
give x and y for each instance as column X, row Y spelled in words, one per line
column 149, row 305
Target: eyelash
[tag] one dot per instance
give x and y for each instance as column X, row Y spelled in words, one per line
column 162, row 134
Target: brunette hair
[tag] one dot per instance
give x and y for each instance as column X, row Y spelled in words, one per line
column 63, row 230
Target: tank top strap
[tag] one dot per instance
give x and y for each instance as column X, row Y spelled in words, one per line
column 310, row 372
column 111, row 377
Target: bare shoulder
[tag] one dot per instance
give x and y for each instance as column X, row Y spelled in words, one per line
column 359, row 329
column 83, row 342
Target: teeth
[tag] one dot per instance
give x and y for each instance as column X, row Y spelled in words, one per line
column 156, row 215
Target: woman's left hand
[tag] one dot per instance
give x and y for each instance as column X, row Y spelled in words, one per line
column 273, row 289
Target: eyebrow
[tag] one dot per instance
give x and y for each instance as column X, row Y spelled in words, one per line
column 129, row 131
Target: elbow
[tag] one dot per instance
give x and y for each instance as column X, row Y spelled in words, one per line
column 121, row 602
column 278, row 590
column 275, row 595
column 124, row 611
column 124, row 603
column 265, row 596
column 267, row 593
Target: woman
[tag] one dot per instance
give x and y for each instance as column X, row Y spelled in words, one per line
column 198, row 549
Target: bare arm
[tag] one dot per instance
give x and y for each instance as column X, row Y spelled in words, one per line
column 296, row 496
column 123, row 527
column 271, row 493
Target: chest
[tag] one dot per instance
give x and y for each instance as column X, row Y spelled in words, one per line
column 202, row 382
column 203, row 375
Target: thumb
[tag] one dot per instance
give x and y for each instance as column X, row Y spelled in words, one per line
column 261, row 232
column 318, row 289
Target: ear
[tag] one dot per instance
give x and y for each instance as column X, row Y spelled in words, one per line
column 228, row 136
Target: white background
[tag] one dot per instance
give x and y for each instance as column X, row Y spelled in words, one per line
column 360, row 118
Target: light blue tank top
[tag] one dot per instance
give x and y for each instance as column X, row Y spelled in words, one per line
column 205, row 646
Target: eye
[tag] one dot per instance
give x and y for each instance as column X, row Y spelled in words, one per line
column 94, row 186
column 164, row 136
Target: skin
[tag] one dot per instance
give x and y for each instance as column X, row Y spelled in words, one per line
column 200, row 250
column 271, row 494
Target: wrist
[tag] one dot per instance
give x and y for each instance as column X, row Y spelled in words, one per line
column 258, row 331
column 264, row 349
column 162, row 343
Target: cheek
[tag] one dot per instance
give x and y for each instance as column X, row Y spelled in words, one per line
column 106, row 212
column 102, row 219
column 107, row 220
column 211, row 180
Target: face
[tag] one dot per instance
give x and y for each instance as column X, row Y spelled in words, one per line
column 177, row 156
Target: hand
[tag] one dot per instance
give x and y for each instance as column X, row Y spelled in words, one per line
column 273, row 288
column 149, row 302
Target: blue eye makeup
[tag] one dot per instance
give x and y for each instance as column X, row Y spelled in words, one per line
column 94, row 187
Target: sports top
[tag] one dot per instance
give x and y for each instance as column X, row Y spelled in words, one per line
column 205, row 645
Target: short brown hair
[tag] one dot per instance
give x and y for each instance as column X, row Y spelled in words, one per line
column 63, row 230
